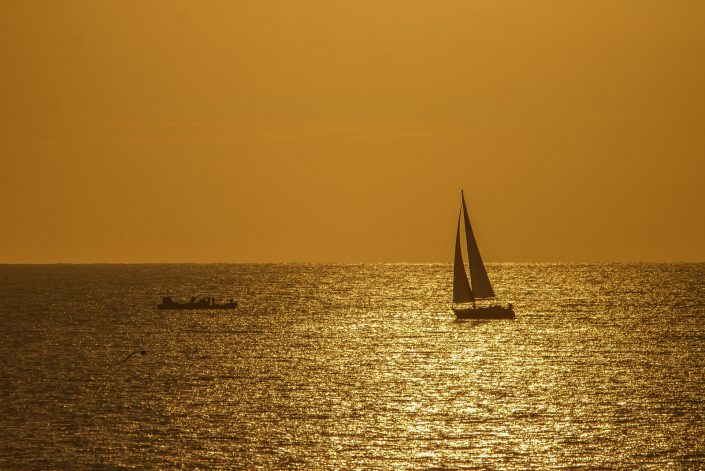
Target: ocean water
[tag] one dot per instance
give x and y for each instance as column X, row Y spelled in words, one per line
column 351, row 367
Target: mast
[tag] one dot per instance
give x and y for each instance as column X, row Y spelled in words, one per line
column 481, row 286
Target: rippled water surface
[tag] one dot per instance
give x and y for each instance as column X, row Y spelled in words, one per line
column 351, row 366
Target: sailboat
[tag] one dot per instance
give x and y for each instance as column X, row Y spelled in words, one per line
column 466, row 291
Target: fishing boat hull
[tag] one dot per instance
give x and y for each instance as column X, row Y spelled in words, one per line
column 168, row 304
column 489, row 312
column 192, row 306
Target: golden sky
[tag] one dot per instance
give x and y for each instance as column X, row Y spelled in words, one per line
column 342, row 131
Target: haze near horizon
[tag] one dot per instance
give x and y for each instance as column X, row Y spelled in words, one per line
column 331, row 131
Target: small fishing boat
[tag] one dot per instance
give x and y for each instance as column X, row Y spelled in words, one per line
column 466, row 291
column 204, row 303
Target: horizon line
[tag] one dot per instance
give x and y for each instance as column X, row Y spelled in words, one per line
column 572, row 262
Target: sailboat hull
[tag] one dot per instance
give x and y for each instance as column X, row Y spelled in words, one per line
column 489, row 312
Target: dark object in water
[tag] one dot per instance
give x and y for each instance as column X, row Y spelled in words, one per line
column 477, row 286
column 205, row 303
column 141, row 352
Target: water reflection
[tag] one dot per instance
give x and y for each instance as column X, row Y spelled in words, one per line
column 352, row 366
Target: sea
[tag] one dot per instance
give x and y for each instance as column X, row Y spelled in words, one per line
column 351, row 367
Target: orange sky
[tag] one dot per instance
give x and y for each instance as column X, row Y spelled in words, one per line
column 342, row 131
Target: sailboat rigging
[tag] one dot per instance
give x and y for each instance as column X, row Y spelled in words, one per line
column 477, row 286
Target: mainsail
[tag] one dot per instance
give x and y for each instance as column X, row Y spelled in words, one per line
column 461, row 287
column 481, row 286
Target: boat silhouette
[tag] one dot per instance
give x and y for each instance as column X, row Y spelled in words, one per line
column 478, row 286
column 204, row 303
